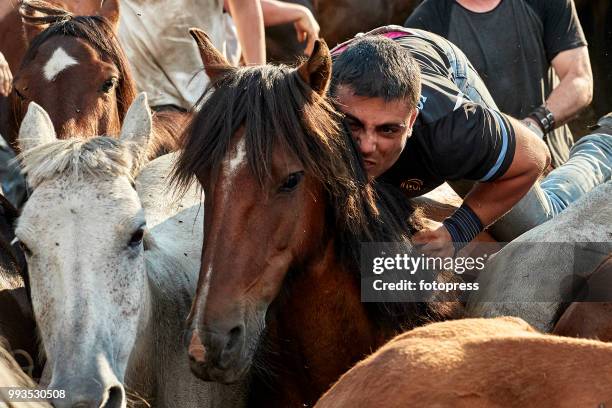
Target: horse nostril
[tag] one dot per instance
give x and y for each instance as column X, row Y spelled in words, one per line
column 234, row 338
column 115, row 397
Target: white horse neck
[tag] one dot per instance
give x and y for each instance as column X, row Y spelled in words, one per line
column 172, row 253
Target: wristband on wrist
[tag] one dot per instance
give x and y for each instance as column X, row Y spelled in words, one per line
column 544, row 117
column 463, row 226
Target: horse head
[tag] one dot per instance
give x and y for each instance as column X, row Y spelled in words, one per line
column 281, row 179
column 82, row 232
column 74, row 69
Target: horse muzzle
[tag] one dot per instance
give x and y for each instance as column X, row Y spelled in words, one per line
column 87, row 392
column 219, row 356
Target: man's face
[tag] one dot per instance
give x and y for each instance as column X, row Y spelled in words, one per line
column 381, row 128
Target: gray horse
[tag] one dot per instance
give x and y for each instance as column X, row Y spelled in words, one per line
column 536, row 274
column 113, row 267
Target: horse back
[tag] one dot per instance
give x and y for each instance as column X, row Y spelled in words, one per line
column 449, row 364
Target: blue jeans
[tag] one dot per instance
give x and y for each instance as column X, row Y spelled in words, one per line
column 12, row 181
column 589, row 164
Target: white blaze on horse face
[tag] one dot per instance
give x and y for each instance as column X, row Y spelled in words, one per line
column 232, row 165
column 238, row 159
column 87, row 282
column 59, row 61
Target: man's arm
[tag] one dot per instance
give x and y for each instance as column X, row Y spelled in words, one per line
column 575, row 91
column 248, row 17
column 6, row 78
column 488, row 201
column 277, row 12
column 491, row 200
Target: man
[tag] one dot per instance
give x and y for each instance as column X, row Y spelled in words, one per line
column 519, row 47
column 452, row 131
column 6, row 78
column 11, row 181
column 164, row 59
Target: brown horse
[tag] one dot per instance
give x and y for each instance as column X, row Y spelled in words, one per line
column 501, row 362
column 591, row 317
column 17, row 325
column 76, row 70
column 287, row 205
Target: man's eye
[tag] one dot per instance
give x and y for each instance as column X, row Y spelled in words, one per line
column 388, row 130
column 354, row 127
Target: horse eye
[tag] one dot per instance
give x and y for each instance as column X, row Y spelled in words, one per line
column 291, row 182
column 19, row 94
column 25, row 248
column 136, row 238
column 109, row 85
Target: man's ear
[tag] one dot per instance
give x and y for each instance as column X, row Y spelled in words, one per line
column 316, row 71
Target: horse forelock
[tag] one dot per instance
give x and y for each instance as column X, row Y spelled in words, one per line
column 98, row 157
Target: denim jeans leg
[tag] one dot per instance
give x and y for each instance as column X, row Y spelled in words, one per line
column 589, row 165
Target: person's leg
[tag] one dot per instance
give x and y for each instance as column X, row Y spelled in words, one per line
column 11, row 180
column 589, row 165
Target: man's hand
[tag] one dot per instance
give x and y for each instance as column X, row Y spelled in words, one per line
column 6, row 78
column 435, row 241
column 278, row 12
column 307, row 29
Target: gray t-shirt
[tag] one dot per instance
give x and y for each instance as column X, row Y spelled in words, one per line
column 511, row 47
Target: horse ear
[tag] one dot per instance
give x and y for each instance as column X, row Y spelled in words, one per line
column 316, row 72
column 28, row 14
column 138, row 123
column 36, row 128
column 214, row 62
column 110, row 10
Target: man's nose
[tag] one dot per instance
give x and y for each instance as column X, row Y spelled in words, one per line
column 367, row 143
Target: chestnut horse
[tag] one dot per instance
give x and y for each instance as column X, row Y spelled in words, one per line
column 76, row 70
column 287, row 206
column 501, row 362
column 591, row 316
